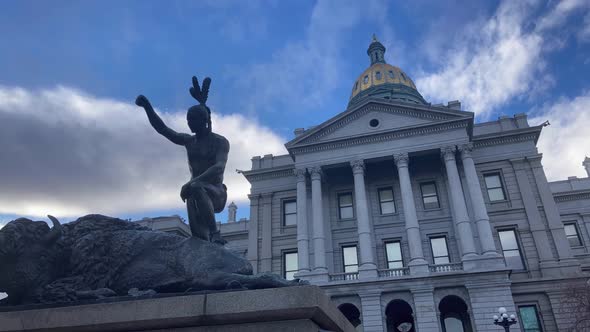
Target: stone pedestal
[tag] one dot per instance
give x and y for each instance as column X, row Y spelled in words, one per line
column 301, row 308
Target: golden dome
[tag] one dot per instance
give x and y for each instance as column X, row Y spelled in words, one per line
column 380, row 73
column 382, row 80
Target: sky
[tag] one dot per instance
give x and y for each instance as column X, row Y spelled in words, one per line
column 72, row 142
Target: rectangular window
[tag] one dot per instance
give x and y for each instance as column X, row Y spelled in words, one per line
column 289, row 213
column 529, row 318
column 393, row 251
column 386, row 203
column 510, row 249
column 289, row 265
column 494, row 186
column 429, row 195
column 345, row 206
column 440, row 251
column 572, row 235
column 350, row 259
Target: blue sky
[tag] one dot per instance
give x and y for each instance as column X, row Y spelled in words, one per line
column 72, row 142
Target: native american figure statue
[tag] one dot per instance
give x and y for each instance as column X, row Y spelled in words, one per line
column 204, row 194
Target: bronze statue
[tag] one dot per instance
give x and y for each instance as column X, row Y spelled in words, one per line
column 205, row 194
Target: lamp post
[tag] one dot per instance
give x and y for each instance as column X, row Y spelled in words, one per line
column 503, row 319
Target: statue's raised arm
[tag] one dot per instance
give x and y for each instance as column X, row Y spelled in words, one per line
column 159, row 125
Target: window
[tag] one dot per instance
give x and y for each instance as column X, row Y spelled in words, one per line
column 529, row 318
column 356, row 85
column 378, row 75
column 350, row 259
column 440, row 251
column 572, row 235
column 393, row 251
column 403, row 76
column 494, row 186
column 345, row 208
column 289, row 213
column 386, row 203
column 366, row 79
column 429, row 195
column 290, row 265
column 391, row 75
column 510, row 249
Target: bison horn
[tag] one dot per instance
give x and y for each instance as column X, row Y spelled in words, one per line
column 55, row 232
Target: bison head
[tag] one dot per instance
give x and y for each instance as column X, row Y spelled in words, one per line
column 28, row 258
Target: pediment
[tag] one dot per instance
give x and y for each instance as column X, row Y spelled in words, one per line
column 390, row 117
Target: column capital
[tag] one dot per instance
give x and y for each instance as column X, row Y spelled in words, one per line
column 358, row 166
column 401, row 159
column 316, row 172
column 300, row 174
column 466, row 150
column 448, row 152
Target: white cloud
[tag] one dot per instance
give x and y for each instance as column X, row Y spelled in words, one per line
column 304, row 72
column 565, row 143
column 496, row 60
column 67, row 153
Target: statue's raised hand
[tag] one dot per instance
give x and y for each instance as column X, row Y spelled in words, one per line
column 142, row 101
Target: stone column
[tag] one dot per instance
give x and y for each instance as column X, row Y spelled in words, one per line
column 418, row 264
column 546, row 259
column 551, row 212
column 372, row 312
column 302, row 232
column 425, row 309
column 266, row 236
column 462, row 222
column 482, row 220
column 367, row 267
column 486, row 296
column 253, row 232
column 319, row 238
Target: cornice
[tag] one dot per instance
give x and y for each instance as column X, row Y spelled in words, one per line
column 269, row 173
column 571, row 195
column 514, row 136
column 379, row 137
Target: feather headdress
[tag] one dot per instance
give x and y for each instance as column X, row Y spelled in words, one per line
column 200, row 94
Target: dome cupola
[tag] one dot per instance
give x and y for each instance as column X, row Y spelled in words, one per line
column 383, row 80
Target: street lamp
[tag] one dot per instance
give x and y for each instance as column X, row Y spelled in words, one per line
column 503, row 319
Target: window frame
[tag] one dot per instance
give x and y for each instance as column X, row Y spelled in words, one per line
column 344, row 265
column 284, row 211
column 518, row 244
column 401, row 253
column 577, row 229
column 422, row 184
column 380, row 201
column 502, row 185
column 345, row 193
column 439, row 236
column 285, row 253
column 537, row 312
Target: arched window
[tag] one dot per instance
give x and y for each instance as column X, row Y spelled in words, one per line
column 351, row 312
column 366, row 79
column 399, row 316
column 378, row 75
column 391, row 75
column 454, row 316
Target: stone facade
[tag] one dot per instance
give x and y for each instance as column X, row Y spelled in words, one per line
column 479, row 186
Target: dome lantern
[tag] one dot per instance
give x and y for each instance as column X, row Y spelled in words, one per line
column 376, row 51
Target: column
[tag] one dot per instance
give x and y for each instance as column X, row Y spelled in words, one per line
column 425, row 309
column 546, row 258
column 372, row 320
column 253, row 232
column 459, row 208
column 417, row 263
column 551, row 212
column 266, row 235
column 302, row 232
column 367, row 268
column 486, row 296
column 482, row 220
column 319, row 238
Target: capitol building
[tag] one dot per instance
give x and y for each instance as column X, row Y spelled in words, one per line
column 413, row 217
